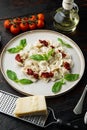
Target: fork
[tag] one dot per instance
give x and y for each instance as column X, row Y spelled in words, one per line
column 79, row 105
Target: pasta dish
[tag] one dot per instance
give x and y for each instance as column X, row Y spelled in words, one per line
column 45, row 61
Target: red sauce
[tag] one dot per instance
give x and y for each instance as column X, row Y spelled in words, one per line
column 47, row 74
column 66, row 65
column 44, row 42
column 18, row 58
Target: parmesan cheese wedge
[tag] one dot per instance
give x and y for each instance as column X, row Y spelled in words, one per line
column 32, row 105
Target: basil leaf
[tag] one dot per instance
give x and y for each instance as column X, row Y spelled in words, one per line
column 57, row 86
column 22, row 43
column 71, row 77
column 45, row 57
column 37, row 57
column 40, row 57
column 50, row 53
column 25, row 81
column 64, row 43
column 14, row 50
column 19, row 47
column 12, row 75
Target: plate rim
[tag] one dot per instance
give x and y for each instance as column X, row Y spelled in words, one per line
column 41, row 30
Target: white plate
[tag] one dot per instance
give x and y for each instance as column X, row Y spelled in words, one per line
column 41, row 88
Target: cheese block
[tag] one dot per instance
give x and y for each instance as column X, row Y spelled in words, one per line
column 32, row 105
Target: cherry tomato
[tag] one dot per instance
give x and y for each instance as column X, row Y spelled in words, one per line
column 7, row 24
column 32, row 18
column 15, row 29
column 17, row 20
column 41, row 16
column 40, row 23
column 25, row 19
column 32, row 26
column 24, row 26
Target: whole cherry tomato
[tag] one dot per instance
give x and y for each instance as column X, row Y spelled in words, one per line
column 41, row 16
column 7, row 24
column 40, row 23
column 32, row 26
column 24, row 26
column 15, row 29
column 32, row 18
column 24, row 19
column 17, row 20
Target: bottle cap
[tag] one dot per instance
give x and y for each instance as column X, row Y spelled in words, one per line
column 67, row 4
column 68, row 1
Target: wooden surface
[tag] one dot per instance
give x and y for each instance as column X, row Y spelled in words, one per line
column 62, row 105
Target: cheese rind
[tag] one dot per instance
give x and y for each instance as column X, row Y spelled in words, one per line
column 32, row 105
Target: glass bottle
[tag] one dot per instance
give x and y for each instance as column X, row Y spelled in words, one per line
column 66, row 17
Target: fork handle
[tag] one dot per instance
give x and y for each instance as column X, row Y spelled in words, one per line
column 78, row 107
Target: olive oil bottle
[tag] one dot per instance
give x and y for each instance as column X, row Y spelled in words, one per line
column 66, row 18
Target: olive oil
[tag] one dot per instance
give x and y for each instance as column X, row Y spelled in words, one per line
column 66, row 17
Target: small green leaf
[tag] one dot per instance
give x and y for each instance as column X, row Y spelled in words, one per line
column 45, row 57
column 64, row 43
column 57, row 86
column 23, row 43
column 14, row 50
column 37, row 57
column 40, row 57
column 25, row 81
column 71, row 77
column 50, row 53
column 12, row 75
column 19, row 47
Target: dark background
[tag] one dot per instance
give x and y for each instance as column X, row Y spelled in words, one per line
column 62, row 105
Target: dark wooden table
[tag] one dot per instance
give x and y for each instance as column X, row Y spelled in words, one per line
column 62, row 105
